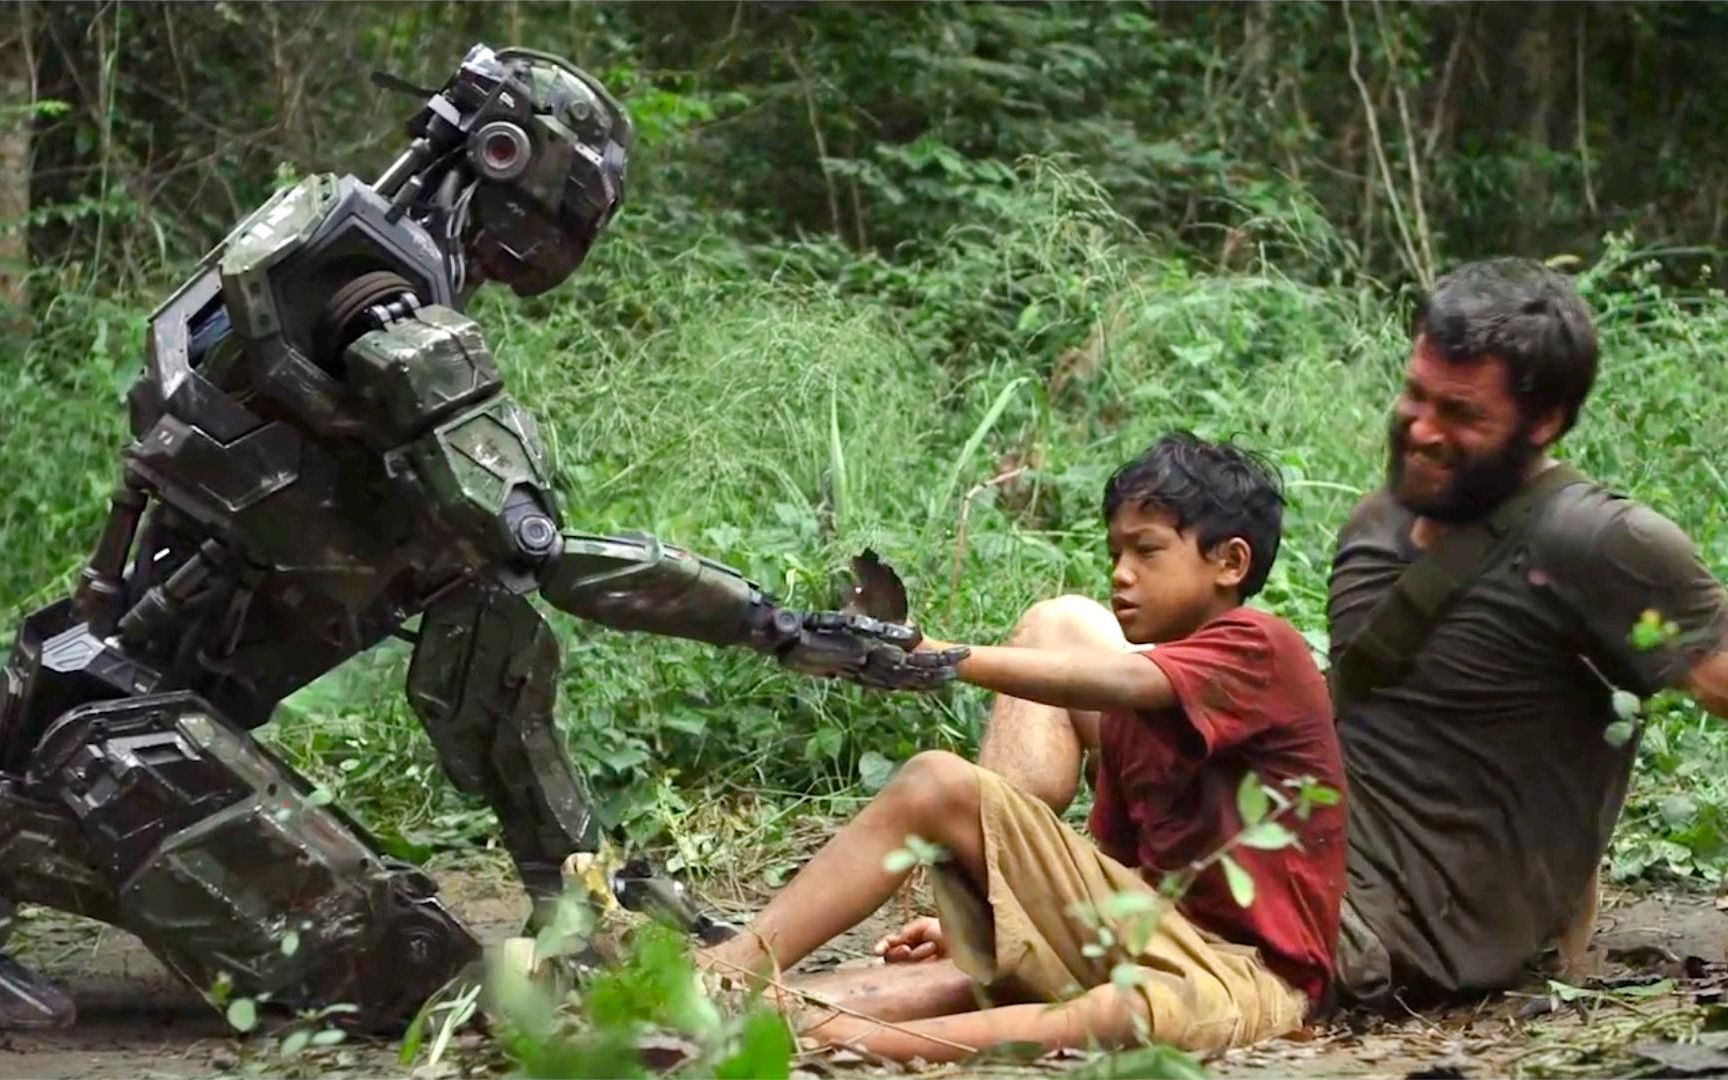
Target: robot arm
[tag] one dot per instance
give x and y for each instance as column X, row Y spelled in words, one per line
column 636, row 582
column 473, row 458
column 639, row 583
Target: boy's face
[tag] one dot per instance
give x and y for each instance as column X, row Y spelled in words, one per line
column 1162, row 587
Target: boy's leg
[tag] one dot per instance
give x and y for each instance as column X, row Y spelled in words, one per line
column 892, row 992
column 1038, row 748
column 933, row 796
column 1104, row 1017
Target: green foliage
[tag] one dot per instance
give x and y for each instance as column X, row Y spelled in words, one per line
column 917, row 852
column 653, row 1000
column 1146, row 1063
column 1238, row 134
column 1675, row 824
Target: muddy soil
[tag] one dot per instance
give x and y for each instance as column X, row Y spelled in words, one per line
column 138, row 1021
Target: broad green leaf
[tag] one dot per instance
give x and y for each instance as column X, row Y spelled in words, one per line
column 927, row 852
column 1619, row 733
column 1626, row 704
column 1267, row 836
column 1130, row 902
column 1566, row 991
column 1317, row 793
column 1251, row 800
column 1678, row 809
column 290, row 943
column 243, row 1014
column 1241, row 884
column 1659, row 988
column 874, row 770
column 295, row 1042
column 329, row 1037
column 899, row 861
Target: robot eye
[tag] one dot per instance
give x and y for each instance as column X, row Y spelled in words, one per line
column 501, row 150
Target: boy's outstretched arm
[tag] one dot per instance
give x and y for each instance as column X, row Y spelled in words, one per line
column 1077, row 679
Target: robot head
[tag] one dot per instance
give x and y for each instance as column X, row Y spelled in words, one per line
column 524, row 155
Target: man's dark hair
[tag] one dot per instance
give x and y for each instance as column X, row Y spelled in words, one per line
column 1527, row 315
column 1219, row 490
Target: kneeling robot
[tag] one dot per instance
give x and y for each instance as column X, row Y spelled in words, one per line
column 322, row 450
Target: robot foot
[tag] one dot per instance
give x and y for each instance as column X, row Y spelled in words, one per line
column 640, row 888
column 29, row 1000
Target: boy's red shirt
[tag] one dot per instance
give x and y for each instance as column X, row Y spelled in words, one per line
column 1249, row 698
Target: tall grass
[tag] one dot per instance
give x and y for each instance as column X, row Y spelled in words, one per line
column 780, row 406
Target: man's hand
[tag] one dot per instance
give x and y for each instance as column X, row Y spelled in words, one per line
column 876, row 654
column 921, row 939
column 1708, row 683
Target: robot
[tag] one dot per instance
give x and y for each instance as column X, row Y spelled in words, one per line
column 323, row 450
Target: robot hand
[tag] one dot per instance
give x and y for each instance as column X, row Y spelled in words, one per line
column 867, row 651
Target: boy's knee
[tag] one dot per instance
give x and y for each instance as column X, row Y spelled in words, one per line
column 935, row 787
column 1066, row 621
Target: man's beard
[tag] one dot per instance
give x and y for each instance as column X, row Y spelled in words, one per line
column 1478, row 484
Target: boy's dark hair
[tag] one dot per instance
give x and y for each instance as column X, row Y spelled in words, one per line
column 1219, row 490
column 1527, row 315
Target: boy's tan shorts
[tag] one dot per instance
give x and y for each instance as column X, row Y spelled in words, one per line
column 1022, row 941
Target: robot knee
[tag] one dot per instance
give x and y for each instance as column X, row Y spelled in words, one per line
column 216, row 853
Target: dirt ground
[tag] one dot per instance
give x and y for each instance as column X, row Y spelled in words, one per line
column 137, row 1021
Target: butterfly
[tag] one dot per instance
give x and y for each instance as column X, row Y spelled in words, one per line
column 876, row 590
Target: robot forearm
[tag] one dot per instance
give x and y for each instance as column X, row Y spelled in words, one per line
column 638, row 583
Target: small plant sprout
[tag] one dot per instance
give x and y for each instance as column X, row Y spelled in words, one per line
column 917, row 852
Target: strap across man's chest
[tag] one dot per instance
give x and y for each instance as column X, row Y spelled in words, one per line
column 1382, row 652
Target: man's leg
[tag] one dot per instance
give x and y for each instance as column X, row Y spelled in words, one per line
column 1038, row 748
column 933, row 796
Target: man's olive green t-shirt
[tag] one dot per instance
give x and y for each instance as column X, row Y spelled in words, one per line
column 1482, row 787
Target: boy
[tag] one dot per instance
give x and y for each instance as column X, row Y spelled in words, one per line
column 1193, row 530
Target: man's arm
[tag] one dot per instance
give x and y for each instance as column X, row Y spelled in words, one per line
column 1619, row 566
column 1100, row 681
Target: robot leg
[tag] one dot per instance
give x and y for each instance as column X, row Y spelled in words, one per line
column 43, row 856
column 43, row 860
column 222, row 863
column 482, row 681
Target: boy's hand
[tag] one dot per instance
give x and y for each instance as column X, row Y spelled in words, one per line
column 919, row 940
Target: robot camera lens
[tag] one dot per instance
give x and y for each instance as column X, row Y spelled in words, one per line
column 500, row 150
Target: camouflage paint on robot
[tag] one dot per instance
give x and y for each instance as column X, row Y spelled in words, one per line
column 323, row 449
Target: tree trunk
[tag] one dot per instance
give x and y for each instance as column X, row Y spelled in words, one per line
column 17, row 96
column 1538, row 54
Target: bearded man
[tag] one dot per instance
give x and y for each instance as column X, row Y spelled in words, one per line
column 1482, row 609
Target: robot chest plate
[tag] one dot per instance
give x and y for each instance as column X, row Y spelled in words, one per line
column 285, row 501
